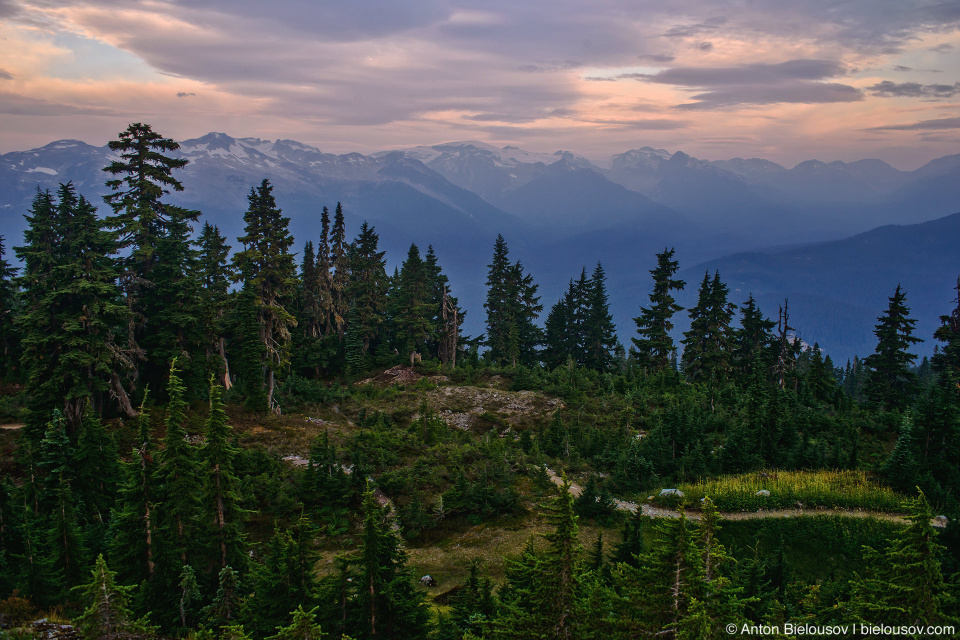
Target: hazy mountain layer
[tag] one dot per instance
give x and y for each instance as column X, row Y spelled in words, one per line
column 560, row 212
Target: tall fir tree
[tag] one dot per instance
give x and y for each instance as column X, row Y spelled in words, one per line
column 177, row 479
column 308, row 320
column 174, row 329
column 134, row 539
column 339, row 263
column 283, row 580
column 58, row 503
column 214, row 274
column 366, row 288
column 752, row 342
column 707, row 345
column 9, row 348
column 374, row 593
column 544, row 595
column 891, row 383
column 497, row 303
column 98, row 472
column 599, row 331
column 904, row 584
column 153, row 231
column 556, row 331
column 267, row 267
column 415, row 305
column 72, row 308
column 324, row 275
column 512, row 307
column 947, row 356
column 220, row 511
column 654, row 347
column 446, row 314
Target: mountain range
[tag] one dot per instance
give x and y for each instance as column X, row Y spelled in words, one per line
column 833, row 237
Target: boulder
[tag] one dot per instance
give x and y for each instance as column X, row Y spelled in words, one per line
column 666, row 493
column 763, row 493
column 428, row 581
column 940, row 521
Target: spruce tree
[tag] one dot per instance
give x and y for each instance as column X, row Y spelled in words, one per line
column 250, row 349
column 819, row 378
column 177, row 478
column 654, row 346
column 9, row 362
column 947, row 356
column 557, row 331
column 221, row 515
column 473, row 605
column 324, row 276
column 366, row 289
column 214, row 275
column 891, row 383
column 71, row 311
column 134, row 547
column 658, row 594
column 904, row 585
column 98, row 472
column 175, row 309
column 716, row 597
column 156, row 233
column 226, row 602
column 707, row 345
column 563, row 567
column 66, row 542
column 308, row 320
column 512, row 307
column 189, row 596
column 387, row 602
column 752, row 342
column 266, row 266
column 543, row 597
column 285, row 579
column 58, row 505
column 108, row 614
column 37, row 575
column 599, row 332
column 497, row 304
column 446, row 316
column 415, row 305
column 339, row 263
column 301, row 627
column 632, row 544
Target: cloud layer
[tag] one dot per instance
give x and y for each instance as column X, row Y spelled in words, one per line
column 377, row 73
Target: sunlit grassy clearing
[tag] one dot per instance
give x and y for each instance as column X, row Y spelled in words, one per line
column 829, row 489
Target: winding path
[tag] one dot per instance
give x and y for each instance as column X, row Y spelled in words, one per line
column 658, row 512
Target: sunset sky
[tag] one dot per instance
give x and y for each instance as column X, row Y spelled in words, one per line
column 785, row 80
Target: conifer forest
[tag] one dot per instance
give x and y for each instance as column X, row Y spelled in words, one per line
column 275, row 437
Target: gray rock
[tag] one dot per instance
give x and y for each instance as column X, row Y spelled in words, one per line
column 671, row 492
column 940, row 521
column 763, row 493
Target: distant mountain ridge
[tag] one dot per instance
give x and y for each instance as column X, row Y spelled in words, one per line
column 559, row 212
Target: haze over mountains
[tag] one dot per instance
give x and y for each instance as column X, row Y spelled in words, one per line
column 560, row 212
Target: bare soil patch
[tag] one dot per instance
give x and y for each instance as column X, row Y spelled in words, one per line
column 479, row 408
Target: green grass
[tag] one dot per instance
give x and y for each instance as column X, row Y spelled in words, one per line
column 828, row 489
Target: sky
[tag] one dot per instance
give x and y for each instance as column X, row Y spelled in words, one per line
column 785, row 80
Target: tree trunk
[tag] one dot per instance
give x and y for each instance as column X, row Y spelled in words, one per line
column 227, row 383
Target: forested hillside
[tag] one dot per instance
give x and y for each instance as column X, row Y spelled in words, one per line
column 269, row 436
